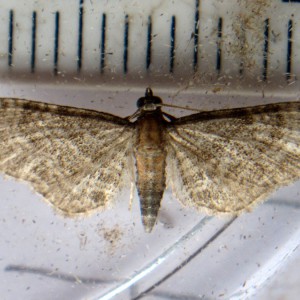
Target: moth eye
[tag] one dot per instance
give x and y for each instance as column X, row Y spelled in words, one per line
column 140, row 103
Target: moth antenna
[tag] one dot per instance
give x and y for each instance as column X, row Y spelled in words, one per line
column 182, row 107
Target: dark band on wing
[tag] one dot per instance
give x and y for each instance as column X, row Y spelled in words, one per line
column 239, row 112
column 42, row 107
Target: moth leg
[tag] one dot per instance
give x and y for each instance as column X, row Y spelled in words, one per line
column 131, row 173
column 170, row 117
column 133, row 116
column 131, row 195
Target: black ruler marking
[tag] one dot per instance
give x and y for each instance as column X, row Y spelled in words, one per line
column 149, row 43
column 102, row 45
column 10, row 37
column 33, row 41
column 219, row 48
column 266, row 50
column 196, row 36
column 289, row 49
column 56, row 43
column 172, row 44
column 125, row 53
column 80, row 37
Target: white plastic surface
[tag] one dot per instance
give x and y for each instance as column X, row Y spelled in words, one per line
column 108, row 255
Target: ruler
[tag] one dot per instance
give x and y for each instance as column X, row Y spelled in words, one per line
column 208, row 46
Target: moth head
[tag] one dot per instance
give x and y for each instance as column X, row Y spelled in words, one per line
column 149, row 102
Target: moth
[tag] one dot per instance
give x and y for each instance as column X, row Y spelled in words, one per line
column 221, row 161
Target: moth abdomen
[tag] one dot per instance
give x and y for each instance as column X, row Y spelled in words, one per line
column 151, row 164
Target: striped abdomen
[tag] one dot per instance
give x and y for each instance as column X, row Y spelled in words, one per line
column 150, row 162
